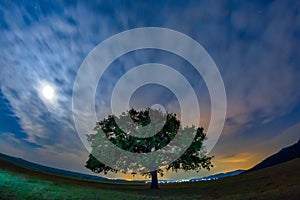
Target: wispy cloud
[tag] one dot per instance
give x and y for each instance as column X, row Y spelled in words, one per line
column 254, row 44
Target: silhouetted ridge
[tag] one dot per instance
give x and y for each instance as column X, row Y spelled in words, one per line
column 284, row 155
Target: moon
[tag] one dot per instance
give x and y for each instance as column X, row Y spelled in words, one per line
column 48, row 92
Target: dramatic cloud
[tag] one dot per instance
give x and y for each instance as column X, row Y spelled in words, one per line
column 255, row 45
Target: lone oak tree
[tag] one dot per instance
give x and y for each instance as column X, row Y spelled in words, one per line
column 193, row 158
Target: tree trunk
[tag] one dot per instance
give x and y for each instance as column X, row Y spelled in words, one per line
column 154, row 180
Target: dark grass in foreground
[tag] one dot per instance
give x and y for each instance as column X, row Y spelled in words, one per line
column 278, row 182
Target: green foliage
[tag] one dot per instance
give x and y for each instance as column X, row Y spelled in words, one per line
column 134, row 144
column 194, row 157
column 97, row 166
column 165, row 125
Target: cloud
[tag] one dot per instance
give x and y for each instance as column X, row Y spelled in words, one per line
column 10, row 137
column 254, row 44
column 46, row 50
column 253, row 50
column 236, row 158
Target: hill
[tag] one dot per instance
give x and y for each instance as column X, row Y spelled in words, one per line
column 276, row 182
column 58, row 172
column 284, row 155
column 20, row 164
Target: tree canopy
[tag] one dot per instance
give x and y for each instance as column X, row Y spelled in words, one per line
column 127, row 132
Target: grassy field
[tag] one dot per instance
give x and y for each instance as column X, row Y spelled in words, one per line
column 278, row 182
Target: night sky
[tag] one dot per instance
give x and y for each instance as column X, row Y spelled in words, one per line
column 255, row 45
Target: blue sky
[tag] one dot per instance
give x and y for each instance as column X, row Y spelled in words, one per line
column 255, row 45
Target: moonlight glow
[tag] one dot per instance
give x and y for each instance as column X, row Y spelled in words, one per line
column 48, row 92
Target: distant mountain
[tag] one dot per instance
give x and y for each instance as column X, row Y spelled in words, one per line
column 49, row 170
column 284, row 155
column 217, row 176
